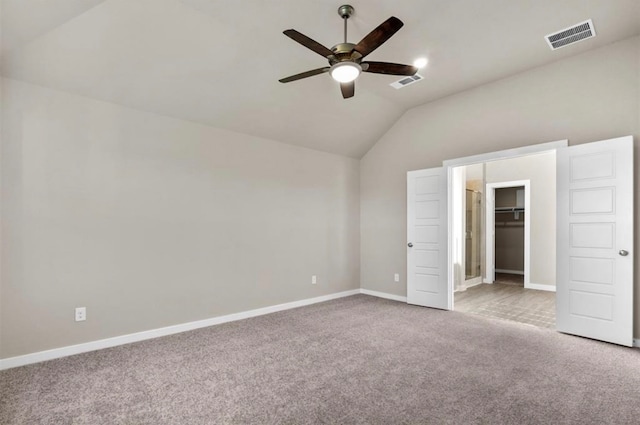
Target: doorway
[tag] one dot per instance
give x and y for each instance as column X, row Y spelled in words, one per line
column 594, row 219
column 505, row 290
column 508, row 289
column 509, row 235
column 508, row 219
column 530, row 211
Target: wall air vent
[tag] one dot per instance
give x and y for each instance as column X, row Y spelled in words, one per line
column 406, row 81
column 578, row 32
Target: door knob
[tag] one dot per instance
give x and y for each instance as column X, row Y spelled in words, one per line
column 410, row 245
column 623, row 252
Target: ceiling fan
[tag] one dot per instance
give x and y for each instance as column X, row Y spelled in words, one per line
column 345, row 59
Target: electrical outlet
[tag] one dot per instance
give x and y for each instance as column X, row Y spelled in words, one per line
column 81, row 314
column 396, row 277
column 314, row 279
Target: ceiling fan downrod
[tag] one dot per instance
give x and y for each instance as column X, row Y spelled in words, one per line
column 345, row 11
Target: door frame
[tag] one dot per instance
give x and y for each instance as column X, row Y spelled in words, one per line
column 490, row 240
column 449, row 166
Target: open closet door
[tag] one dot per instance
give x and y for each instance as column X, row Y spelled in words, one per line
column 427, row 253
column 595, row 240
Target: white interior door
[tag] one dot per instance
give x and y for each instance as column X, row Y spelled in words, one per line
column 427, row 280
column 595, row 240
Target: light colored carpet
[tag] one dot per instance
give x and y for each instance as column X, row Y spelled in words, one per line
column 354, row 360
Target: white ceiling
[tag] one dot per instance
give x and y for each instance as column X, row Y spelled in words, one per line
column 218, row 62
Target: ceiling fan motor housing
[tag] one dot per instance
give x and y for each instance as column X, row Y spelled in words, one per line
column 344, row 52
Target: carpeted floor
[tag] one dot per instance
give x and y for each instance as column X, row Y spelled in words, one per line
column 354, row 360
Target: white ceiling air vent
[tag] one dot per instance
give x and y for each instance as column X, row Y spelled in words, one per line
column 578, row 32
column 406, row 81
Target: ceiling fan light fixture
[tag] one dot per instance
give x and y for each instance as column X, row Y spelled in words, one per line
column 345, row 72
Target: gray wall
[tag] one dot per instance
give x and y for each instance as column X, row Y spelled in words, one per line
column 589, row 97
column 150, row 221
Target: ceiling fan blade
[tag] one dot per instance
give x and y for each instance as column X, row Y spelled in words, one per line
column 348, row 89
column 388, row 68
column 308, row 43
column 375, row 38
column 305, row 74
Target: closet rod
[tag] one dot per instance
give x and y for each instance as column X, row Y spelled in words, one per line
column 509, row 209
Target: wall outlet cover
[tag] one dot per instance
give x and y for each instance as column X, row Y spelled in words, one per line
column 81, row 314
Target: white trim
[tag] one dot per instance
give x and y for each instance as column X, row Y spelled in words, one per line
column 70, row 350
column 636, row 342
column 540, row 287
column 521, row 272
column 507, row 153
column 384, row 295
column 472, row 282
column 458, row 227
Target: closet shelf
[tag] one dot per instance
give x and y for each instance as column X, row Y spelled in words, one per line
column 509, row 209
column 510, row 224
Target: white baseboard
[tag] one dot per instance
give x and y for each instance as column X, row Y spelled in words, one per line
column 510, row 271
column 472, row 283
column 56, row 353
column 384, row 295
column 540, row 287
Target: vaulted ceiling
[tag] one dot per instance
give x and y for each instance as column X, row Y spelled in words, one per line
column 218, row 62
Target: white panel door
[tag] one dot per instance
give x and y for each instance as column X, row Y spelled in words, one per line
column 595, row 240
column 427, row 238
